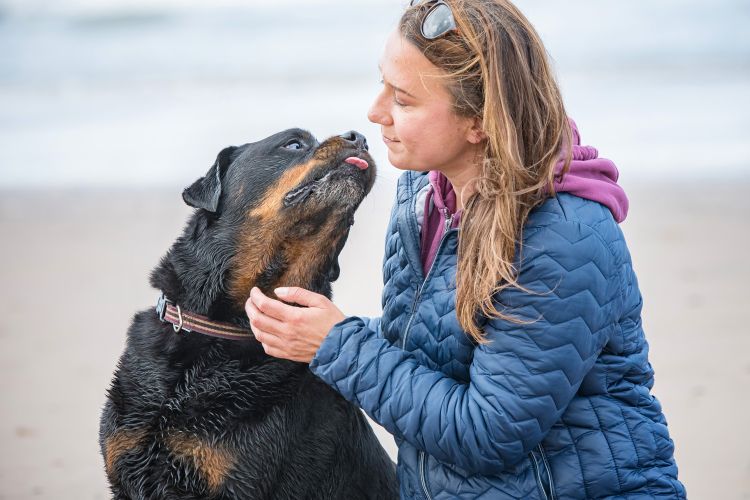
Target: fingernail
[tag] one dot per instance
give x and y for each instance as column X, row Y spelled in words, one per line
column 281, row 291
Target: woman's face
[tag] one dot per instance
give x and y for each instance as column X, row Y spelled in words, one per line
column 415, row 112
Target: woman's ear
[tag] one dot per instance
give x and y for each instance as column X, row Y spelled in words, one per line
column 476, row 134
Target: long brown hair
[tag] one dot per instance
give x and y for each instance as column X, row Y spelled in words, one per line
column 496, row 68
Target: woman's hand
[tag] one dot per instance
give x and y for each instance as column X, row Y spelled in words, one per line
column 290, row 332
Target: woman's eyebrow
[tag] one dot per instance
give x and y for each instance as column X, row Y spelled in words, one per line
column 380, row 68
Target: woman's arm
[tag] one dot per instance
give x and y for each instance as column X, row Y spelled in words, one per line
column 521, row 381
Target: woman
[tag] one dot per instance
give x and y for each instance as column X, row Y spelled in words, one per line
column 509, row 361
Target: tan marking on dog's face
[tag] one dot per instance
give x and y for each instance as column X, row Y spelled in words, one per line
column 273, row 199
column 263, row 232
column 307, row 256
column 120, row 443
column 213, row 462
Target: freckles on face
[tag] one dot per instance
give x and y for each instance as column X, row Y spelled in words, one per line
column 415, row 111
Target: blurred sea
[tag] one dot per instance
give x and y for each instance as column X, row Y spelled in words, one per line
column 145, row 93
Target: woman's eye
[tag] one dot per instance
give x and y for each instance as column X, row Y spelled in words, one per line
column 293, row 145
column 395, row 99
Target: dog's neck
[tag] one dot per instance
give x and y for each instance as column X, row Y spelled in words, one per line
column 191, row 273
column 196, row 273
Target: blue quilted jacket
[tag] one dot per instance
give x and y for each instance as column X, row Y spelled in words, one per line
column 557, row 408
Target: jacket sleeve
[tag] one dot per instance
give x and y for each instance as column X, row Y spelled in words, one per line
column 520, row 382
column 373, row 324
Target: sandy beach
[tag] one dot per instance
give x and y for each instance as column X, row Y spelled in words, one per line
column 74, row 267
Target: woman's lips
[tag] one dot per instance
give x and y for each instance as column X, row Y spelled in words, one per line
column 387, row 139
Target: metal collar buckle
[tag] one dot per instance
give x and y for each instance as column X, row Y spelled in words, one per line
column 161, row 306
column 178, row 326
column 161, row 311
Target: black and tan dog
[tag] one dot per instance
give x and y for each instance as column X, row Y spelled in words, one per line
column 193, row 416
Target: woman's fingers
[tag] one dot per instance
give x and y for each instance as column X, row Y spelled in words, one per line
column 301, row 296
column 272, row 307
column 291, row 332
column 260, row 321
column 276, row 353
column 272, row 344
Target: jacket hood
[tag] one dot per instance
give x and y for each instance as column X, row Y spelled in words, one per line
column 592, row 178
column 589, row 177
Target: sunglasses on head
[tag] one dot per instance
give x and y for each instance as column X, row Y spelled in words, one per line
column 439, row 18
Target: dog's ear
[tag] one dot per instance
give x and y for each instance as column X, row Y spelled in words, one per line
column 206, row 191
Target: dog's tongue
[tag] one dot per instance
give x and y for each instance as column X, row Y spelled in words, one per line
column 357, row 162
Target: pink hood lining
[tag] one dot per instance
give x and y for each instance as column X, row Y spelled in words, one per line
column 588, row 177
column 593, row 178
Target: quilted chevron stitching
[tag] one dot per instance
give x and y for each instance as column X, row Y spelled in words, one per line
column 609, row 445
column 639, row 463
column 574, row 442
column 434, row 321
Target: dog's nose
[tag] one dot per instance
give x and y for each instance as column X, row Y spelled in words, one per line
column 357, row 139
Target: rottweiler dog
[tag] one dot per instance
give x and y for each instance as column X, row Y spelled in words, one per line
column 190, row 415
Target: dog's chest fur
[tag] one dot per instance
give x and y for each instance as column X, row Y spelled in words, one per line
column 214, row 421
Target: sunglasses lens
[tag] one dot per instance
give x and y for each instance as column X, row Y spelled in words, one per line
column 416, row 2
column 438, row 22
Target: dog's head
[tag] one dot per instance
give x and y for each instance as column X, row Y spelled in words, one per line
column 284, row 205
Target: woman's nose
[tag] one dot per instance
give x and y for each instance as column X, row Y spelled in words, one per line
column 377, row 112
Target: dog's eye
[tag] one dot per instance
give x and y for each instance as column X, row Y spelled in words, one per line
column 293, row 145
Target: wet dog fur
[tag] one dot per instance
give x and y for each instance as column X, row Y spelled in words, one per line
column 195, row 417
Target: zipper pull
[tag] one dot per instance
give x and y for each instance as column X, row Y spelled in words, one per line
column 448, row 220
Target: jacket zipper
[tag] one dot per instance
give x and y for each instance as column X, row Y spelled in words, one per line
column 422, row 477
column 448, row 222
column 535, row 464
column 411, row 317
column 548, row 469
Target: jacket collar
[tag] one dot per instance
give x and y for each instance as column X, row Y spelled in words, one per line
column 409, row 184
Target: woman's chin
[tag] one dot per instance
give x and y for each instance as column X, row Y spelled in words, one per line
column 402, row 163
